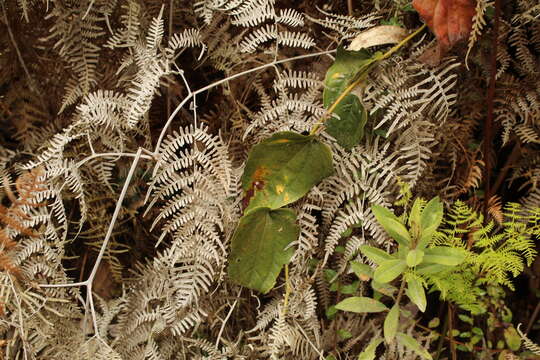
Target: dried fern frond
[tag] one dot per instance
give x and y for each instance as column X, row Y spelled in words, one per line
column 478, row 23
column 346, row 26
column 528, row 343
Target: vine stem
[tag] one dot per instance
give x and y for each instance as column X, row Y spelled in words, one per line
column 400, row 292
column 192, row 94
column 357, row 82
column 287, row 290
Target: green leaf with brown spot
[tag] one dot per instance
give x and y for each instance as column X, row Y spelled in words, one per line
column 283, row 168
column 258, row 247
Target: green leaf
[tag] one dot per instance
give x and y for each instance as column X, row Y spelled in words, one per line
column 344, row 334
column 415, row 292
column 391, row 324
column 385, row 289
column 350, row 288
column 512, row 338
column 369, row 351
column 283, row 168
column 330, row 275
column 416, row 212
column 258, row 247
column 331, row 311
column 389, row 270
column 375, row 254
column 465, row 318
column 363, row 271
column 392, row 225
column 410, row 343
column 475, row 339
column 414, row 257
column 433, row 323
column 432, row 214
column 346, row 67
column 430, row 269
column 359, row 304
column 430, row 220
column 348, row 127
column 477, row 331
column 444, row 255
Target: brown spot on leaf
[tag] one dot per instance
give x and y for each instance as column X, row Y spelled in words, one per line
column 257, row 183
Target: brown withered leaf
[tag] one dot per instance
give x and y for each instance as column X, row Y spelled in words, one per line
column 450, row 20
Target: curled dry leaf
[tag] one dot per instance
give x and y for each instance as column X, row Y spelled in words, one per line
column 450, row 20
column 378, row 35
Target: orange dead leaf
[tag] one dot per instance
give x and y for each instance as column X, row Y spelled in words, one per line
column 450, row 20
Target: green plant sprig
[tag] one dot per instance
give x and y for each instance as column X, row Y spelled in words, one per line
column 360, row 76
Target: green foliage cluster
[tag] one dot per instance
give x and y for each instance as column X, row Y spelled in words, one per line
column 455, row 255
column 284, row 167
column 279, row 171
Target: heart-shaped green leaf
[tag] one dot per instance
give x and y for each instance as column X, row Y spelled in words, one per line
column 359, row 304
column 348, row 126
column 258, row 247
column 389, row 270
column 283, row 168
column 391, row 324
column 392, row 225
column 374, row 254
column 415, row 292
column 444, row 255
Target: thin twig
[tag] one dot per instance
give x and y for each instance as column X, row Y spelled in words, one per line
column 219, row 82
column 19, row 55
column 532, row 319
column 512, row 158
column 227, row 318
column 490, row 99
column 287, row 290
column 450, row 331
